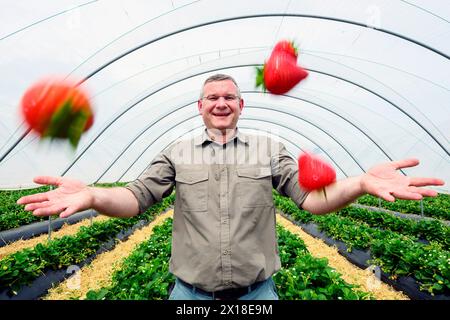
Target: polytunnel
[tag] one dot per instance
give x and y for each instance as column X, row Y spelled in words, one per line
column 378, row 88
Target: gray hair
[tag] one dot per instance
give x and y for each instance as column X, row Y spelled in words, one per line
column 220, row 77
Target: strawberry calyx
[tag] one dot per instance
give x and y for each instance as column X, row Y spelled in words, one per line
column 260, row 78
column 287, row 46
column 67, row 123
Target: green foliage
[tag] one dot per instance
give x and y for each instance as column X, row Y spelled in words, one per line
column 13, row 215
column 436, row 207
column 304, row 277
column 145, row 275
column 396, row 253
column 431, row 230
column 24, row 266
column 145, row 272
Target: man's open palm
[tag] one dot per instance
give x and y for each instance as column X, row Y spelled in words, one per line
column 71, row 196
column 386, row 182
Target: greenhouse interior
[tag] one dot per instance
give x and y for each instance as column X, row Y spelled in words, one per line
column 322, row 174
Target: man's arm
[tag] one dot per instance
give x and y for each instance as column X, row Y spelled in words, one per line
column 73, row 196
column 114, row 202
column 382, row 181
column 338, row 195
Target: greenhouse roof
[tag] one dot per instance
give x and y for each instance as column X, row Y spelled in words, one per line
column 378, row 87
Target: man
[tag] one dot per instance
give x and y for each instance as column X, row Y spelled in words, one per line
column 224, row 240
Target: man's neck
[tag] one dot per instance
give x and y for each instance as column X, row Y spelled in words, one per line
column 221, row 136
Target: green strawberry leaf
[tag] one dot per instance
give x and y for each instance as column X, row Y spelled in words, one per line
column 60, row 121
column 76, row 127
column 260, row 78
column 294, row 45
column 65, row 123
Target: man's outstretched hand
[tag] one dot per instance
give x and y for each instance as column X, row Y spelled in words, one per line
column 70, row 197
column 386, row 182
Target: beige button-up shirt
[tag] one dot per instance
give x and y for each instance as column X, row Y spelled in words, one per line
column 224, row 232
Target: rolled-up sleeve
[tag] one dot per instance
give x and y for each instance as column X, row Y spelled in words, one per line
column 155, row 183
column 285, row 175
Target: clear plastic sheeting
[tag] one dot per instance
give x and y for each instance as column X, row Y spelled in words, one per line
column 378, row 88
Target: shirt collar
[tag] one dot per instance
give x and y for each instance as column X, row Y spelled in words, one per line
column 204, row 137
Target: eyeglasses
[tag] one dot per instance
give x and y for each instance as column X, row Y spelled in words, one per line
column 214, row 98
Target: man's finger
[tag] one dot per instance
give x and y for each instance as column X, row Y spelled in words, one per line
column 48, row 211
column 39, row 197
column 68, row 212
column 420, row 182
column 48, row 180
column 385, row 196
column 424, row 192
column 406, row 195
column 405, row 163
column 36, row 205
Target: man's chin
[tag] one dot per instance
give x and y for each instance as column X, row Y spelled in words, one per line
column 222, row 128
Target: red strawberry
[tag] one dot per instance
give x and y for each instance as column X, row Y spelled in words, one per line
column 286, row 46
column 314, row 173
column 57, row 109
column 281, row 72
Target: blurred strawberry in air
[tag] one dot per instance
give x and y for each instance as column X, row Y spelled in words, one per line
column 281, row 73
column 56, row 108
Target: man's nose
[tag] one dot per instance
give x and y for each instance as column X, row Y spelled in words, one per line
column 221, row 101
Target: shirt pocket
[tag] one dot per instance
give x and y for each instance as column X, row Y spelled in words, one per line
column 192, row 190
column 254, row 187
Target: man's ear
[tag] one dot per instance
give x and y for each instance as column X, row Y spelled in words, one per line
column 200, row 106
column 241, row 104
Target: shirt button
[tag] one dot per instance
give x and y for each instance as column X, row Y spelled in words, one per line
column 225, row 252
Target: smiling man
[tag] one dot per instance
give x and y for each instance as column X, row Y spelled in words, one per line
column 220, row 105
column 224, row 241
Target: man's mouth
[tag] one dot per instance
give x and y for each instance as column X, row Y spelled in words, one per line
column 221, row 114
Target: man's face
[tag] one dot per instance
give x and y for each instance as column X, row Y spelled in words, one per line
column 220, row 106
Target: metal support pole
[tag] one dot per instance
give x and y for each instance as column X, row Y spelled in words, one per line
column 49, row 238
column 49, row 228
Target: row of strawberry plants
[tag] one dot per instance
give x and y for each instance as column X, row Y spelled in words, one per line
column 396, row 254
column 145, row 273
column 304, row 277
column 436, row 207
column 22, row 267
column 13, row 215
column 431, row 230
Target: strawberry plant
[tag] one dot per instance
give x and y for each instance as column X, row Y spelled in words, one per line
column 145, row 272
column 145, row 275
column 395, row 253
column 436, row 207
column 15, row 269
column 431, row 230
column 305, row 277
